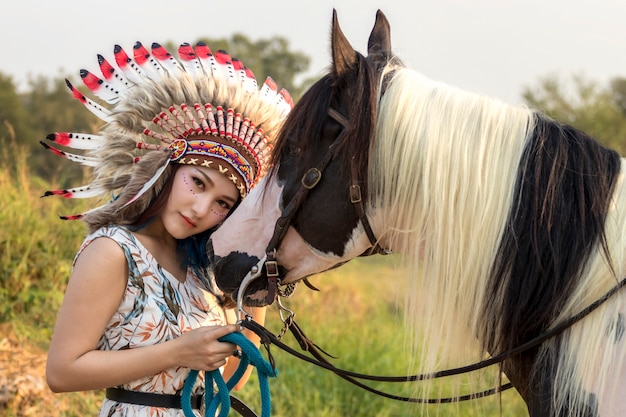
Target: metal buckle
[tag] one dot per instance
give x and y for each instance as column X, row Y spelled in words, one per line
column 355, row 194
column 271, row 269
column 311, row 178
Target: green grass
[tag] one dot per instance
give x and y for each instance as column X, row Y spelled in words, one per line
column 356, row 316
column 36, row 249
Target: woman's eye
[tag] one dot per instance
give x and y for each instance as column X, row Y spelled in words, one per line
column 223, row 204
column 198, row 182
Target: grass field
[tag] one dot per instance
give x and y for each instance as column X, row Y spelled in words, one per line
column 356, row 317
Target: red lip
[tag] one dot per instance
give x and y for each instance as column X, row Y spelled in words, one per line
column 187, row 221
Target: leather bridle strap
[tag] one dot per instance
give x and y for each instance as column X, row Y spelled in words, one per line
column 268, row 338
column 355, row 195
column 309, row 180
column 307, row 345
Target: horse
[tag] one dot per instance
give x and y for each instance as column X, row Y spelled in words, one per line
column 510, row 223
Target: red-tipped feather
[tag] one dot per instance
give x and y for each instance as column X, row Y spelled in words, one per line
column 269, row 90
column 85, row 160
column 127, row 65
column 287, row 96
column 190, row 60
column 224, row 61
column 250, row 83
column 112, row 75
column 96, row 109
column 146, row 62
column 166, row 59
column 207, row 59
column 140, row 54
column 75, row 140
column 203, row 51
column 78, row 192
column 240, row 71
column 186, row 52
column 284, row 101
column 73, row 217
column 237, row 64
column 99, row 87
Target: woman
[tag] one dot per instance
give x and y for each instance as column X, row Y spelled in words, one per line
column 140, row 309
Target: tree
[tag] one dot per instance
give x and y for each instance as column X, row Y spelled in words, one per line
column 14, row 120
column 618, row 85
column 54, row 109
column 267, row 57
column 584, row 105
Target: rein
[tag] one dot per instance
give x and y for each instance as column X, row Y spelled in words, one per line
column 307, row 345
column 222, row 399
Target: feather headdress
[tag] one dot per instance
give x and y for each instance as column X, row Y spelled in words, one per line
column 201, row 109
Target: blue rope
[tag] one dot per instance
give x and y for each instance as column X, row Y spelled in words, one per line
column 250, row 355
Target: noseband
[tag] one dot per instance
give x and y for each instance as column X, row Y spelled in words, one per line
column 309, row 181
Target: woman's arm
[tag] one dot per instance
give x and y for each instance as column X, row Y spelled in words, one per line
column 93, row 293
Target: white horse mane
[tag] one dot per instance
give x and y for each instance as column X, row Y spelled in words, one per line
column 443, row 169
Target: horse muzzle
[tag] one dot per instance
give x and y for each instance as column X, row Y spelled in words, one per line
column 229, row 272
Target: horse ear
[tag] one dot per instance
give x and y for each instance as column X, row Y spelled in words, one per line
column 344, row 55
column 380, row 38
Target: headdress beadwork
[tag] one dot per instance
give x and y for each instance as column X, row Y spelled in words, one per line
column 205, row 109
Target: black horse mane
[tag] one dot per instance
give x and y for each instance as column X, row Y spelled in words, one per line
column 352, row 94
column 564, row 188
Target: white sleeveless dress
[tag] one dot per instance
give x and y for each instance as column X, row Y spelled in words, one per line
column 156, row 307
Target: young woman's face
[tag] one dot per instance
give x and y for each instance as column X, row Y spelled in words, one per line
column 201, row 198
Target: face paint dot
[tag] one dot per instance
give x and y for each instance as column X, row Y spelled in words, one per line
column 218, row 214
column 186, row 181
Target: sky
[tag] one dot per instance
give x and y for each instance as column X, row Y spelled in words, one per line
column 491, row 47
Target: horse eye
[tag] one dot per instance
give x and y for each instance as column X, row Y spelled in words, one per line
column 294, row 149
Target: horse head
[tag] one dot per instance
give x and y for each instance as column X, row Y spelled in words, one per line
column 510, row 221
column 311, row 211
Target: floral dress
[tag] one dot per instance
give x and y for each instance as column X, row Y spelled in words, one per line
column 155, row 307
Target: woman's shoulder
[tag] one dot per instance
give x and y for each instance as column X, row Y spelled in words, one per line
column 119, row 234
column 112, row 239
column 114, row 232
column 105, row 236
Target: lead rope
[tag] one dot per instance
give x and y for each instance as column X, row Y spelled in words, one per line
column 250, row 355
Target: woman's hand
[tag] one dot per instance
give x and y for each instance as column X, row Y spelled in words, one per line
column 200, row 348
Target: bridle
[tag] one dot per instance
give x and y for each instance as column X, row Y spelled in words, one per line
column 309, row 180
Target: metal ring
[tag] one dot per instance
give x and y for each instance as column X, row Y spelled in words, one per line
column 237, row 353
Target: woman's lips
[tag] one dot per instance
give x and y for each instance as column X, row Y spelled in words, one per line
column 187, row 221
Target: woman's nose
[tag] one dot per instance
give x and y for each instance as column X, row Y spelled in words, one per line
column 201, row 207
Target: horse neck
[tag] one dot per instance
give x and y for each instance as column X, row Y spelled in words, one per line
column 442, row 171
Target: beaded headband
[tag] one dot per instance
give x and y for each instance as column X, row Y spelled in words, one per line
column 205, row 109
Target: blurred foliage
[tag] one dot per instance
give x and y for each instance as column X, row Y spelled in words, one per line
column 36, row 248
column 267, row 57
column 582, row 103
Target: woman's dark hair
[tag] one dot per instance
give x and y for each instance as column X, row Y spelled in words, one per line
column 157, row 204
column 192, row 250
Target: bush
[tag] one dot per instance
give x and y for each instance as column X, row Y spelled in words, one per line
column 36, row 248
